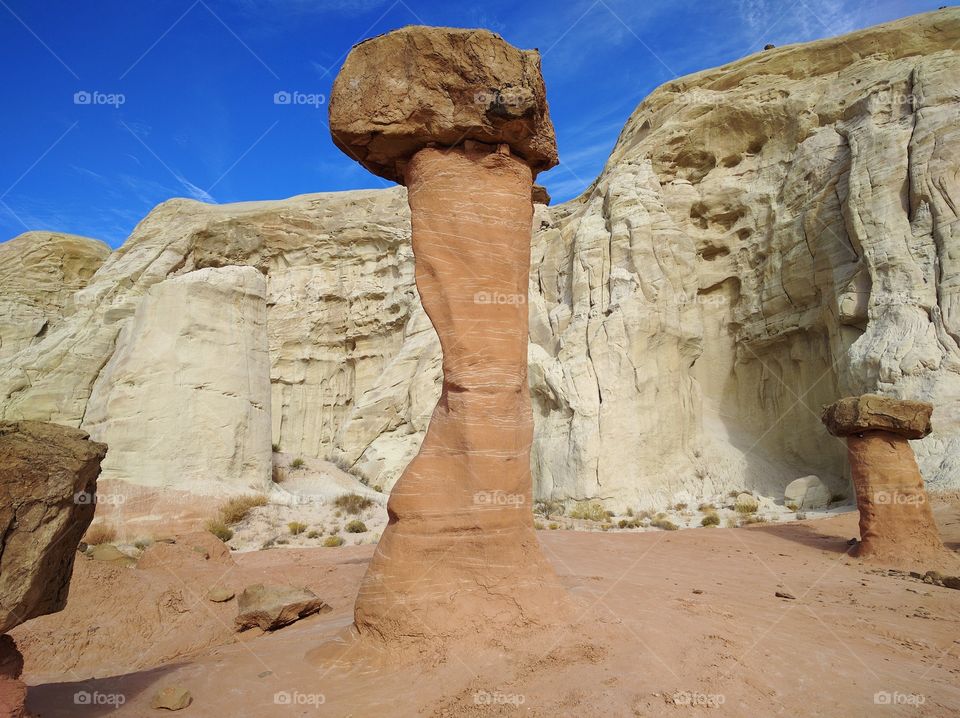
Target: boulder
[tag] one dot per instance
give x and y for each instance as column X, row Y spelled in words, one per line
column 108, row 553
column 434, row 86
column 871, row 412
column 43, row 469
column 171, row 698
column 807, row 492
column 270, row 607
column 220, row 594
column 13, row 691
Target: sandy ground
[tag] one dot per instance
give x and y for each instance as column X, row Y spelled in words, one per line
column 671, row 623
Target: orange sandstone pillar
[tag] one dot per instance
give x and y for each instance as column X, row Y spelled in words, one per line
column 896, row 520
column 466, row 136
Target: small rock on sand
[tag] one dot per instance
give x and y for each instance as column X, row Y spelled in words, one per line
column 171, row 698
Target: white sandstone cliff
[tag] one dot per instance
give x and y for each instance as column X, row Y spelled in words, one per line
column 766, row 236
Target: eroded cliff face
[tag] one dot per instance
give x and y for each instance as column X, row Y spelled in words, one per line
column 39, row 274
column 766, row 237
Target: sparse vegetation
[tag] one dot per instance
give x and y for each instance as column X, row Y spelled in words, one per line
column 681, row 506
column 356, row 527
column 589, row 511
column 220, row 529
column 332, row 541
column 665, row 524
column 706, row 507
column 549, row 508
column 296, row 528
column 710, row 520
column 754, row 519
column 99, row 533
column 353, row 503
column 733, row 494
column 236, row 509
column 283, row 541
column 538, row 525
column 554, row 526
column 297, row 463
column 313, row 534
column 745, row 507
column 275, row 447
column 630, row 512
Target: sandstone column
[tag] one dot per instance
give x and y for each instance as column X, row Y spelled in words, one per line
column 896, row 521
column 460, row 118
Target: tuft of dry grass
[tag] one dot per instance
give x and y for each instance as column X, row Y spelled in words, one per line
column 297, row 463
column 333, row 541
column 219, row 529
column 296, row 527
column 353, row 503
column 356, row 527
column 99, row 533
column 665, row 524
column 236, row 509
column 589, row 511
column 710, row 519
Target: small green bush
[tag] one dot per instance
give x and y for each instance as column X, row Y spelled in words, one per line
column 297, row 463
column 332, row 541
column 353, row 503
column 296, row 528
column 356, row 527
column 275, row 447
column 710, row 520
column 313, row 534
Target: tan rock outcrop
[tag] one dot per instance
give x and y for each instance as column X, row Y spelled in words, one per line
column 48, row 484
column 896, row 519
column 185, row 400
column 459, row 554
column 39, row 274
column 431, row 86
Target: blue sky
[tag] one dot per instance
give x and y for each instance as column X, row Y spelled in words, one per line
column 179, row 94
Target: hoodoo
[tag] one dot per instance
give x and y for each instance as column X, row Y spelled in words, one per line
column 459, row 117
column 896, row 521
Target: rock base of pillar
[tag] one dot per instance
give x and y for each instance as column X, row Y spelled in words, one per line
column 13, row 691
column 897, row 527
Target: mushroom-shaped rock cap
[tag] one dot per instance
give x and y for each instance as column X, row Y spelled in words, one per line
column 870, row 412
column 419, row 86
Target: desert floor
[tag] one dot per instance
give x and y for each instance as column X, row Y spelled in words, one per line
column 671, row 623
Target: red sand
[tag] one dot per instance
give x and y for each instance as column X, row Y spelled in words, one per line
column 683, row 623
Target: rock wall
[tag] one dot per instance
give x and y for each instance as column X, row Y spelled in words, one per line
column 39, row 274
column 185, row 397
column 766, row 236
